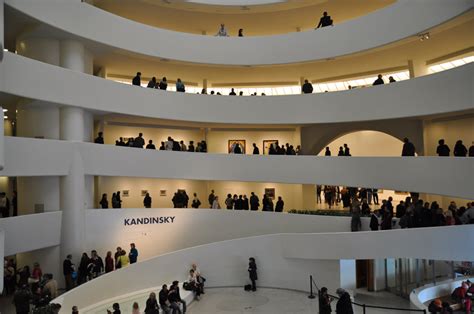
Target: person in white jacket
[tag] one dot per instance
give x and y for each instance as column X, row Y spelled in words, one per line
column 222, row 31
column 215, row 204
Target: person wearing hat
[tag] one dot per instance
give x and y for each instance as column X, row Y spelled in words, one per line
column 344, row 305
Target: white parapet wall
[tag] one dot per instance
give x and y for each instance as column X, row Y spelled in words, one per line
column 445, row 92
column 225, row 263
column 420, row 296
column 399, row 21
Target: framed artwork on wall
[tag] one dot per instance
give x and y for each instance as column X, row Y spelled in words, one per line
column 144, row 192
column 162, row 192
column 233, row 143
column 267, row 144
column 126, row 193
column 270, row 192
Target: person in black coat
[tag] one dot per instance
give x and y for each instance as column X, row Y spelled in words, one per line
column 137, row 79
column 245, row 203
column 347, row 150
column 460, row 150
column 254, row 201
column 379, row 80
column 408, row 148
column 374, row 221
column 443, row 149
column 325, row 20
column 253, row 273
column 279, row 205
column 256, row 151
column 307, row 88
column 327, row 152
column 68, row 269
column 324, row 301
column 344, row 305
column 99, row 139
column 152, row 305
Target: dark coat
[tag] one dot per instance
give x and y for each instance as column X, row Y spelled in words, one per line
column 253, row 271
column 254, row 203
column 344, row 305
column 151, row 306
column 374, row 223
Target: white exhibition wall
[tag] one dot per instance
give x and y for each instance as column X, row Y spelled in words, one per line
column 43, row 230
column 192, row 227
column 447, row 91
column 400, row 20
column 2, row 145
column 284, row 261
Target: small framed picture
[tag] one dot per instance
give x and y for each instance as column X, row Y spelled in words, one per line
column 144, row 192
column 234, row 143
column 162, row 192
column 270, row 192
column 267, row 144
column 126, row 193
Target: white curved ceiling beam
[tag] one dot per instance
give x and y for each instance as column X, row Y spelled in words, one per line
column 403, row 19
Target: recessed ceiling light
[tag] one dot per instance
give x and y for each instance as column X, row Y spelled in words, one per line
column 5, row 49
column 5, row 110
column 5, row 117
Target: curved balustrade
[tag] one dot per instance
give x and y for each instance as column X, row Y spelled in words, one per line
column 444, row 92
column 225, row 263
column 399, row 21
column 419, row 174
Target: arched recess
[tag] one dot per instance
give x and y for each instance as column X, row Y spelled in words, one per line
column 366, row 143
column 315, row 137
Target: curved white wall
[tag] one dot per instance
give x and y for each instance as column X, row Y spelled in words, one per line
column 31, row 232
column 400, row 20
column 2, row 146
column 433, row 175
column 225, row 263
column 448, row 91
column 429, row 292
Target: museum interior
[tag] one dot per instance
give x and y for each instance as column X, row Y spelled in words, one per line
column 299, row 156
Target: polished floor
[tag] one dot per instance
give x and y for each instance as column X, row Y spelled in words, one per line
column 278, row 301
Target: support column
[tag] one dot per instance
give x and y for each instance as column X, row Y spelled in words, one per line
column 417, row 68
column 72, row 205
column 309, row 196
column 76, row 125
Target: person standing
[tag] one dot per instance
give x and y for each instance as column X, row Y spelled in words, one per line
column 147, row 200
column 256, row 151
column 152, row 83
column 222, row 31
column 163, row 84
column 471, row 154
column 327, row 152
column 347, row 151
column 133, row 255
column 99, row 139
column 279, row 205
column 245, row 203
column 150, row 145
column 104, row 203
column 119, row 200
column 211, row 198
column 408, row 148
column 22, row 299
column 109, row 262
column 253, row 273
column 324, row 301
column 196, row 202
column 152, row 305
column 307, row 87
column 459, row 149
column 68, row 270
column 15, row 204
column 379, row 80
column 215, row 204
column 341, row 151
column 254, row 201
column 442, row 150
column 137, row 79
column 344, row 305
column 139, row 142
column 374, row 221
column 4, row 205
column 241, row 32
column 180, row 86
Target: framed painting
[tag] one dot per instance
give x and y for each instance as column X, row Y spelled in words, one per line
column 125, row 193
column 233, row 143
column 267, row 144
column 270, row 192
column 143, row 192
column 162, row 192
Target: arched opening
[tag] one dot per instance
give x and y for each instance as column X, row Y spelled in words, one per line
column 366, row 143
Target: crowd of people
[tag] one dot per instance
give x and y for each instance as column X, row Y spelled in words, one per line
column 170, row 144
column 29, row 287
column 241, row 202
